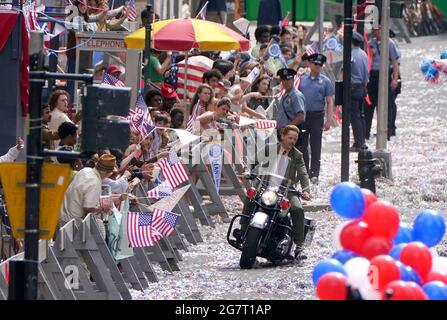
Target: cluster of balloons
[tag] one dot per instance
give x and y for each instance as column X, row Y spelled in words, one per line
column 378, row 256
column 432, row 69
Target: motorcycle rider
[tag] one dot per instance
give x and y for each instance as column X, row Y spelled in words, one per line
column 295, row 172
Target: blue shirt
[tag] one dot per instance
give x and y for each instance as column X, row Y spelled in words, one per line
column 315, row 91
column 399, row 56
column 289, row 105
column 217, row 5
column 394, row 53
column 359, row 66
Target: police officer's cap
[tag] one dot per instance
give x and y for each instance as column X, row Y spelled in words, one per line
column 286, row 73
column 318, row 58
column 357, row 36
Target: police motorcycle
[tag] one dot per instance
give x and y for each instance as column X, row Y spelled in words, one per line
column 269, row 231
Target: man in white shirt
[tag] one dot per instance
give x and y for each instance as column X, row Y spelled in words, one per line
column 83, row 193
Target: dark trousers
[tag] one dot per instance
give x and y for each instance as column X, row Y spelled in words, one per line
column 313, row 132
column 358, row 93
column 373, row 92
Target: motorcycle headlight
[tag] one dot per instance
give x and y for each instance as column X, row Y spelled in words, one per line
column 269, row 197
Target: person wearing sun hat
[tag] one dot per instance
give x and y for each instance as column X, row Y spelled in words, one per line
column 83, row 193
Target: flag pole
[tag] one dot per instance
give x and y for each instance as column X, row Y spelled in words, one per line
column 147, row 51
column 204, row 6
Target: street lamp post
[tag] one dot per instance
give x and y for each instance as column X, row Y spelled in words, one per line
column 347, row 43
column 147, row 50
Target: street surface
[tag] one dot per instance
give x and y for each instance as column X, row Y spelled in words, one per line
column 210, row 270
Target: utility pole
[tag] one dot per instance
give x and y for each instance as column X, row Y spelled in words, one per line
column 321, row 26
column 384, row 82
column 34, row 161
column 147, row 50
column 347, row 44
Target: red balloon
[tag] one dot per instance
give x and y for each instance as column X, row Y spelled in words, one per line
column 435, row 276
column 332, row 286
column 382, row 219
column 402, row 290
column 354, row 235
column 382, row 270
column 418, row 256
column 375, row 246
column 369, row 197
column 417, row 291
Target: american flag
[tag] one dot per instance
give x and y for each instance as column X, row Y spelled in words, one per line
column 160, row 191
column 312, row 49
column 146, row 128
column 140, row 230
column 197, row 65
column 136, row 118
column 296, row 83
column 173, row 170
column 165, row 221
column 131, row 11
column 111, row 80
column 265, row 124
column 192, row 117
column 141, row 104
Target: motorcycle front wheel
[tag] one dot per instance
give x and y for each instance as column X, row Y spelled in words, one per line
column 250, row 248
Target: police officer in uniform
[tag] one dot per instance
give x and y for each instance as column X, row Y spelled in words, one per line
column 291, row 105
column 373, row 85
column 359, row 82
column 318, row 92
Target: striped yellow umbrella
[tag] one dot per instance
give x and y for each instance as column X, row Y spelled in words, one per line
column 186, row 34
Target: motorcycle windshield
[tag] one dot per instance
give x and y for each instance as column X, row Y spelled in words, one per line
column 274, row 175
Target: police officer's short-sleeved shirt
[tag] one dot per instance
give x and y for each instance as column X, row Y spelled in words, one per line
column 394, row 53
column 315, row 91
column 359, row 66
column 399, row 56
column 289, row 105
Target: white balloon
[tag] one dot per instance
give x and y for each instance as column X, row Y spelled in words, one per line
column 368, row 293
column 357, row 271
column 336, row 235
column 439, row 264
column 434, row 252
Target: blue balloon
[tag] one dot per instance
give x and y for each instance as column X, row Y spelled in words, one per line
column 435, row 290
column 403, row 235
column 407, row 273
column 395, row 251
column 444, row 54
column 428, row 228
column 325, row 266
column 347, row 200
column 343, row 255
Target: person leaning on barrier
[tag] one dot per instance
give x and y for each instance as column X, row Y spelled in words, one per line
column 295, row 172
column 218, row 119
column 83, row 193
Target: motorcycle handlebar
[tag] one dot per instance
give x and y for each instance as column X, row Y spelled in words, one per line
column 253, row 176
